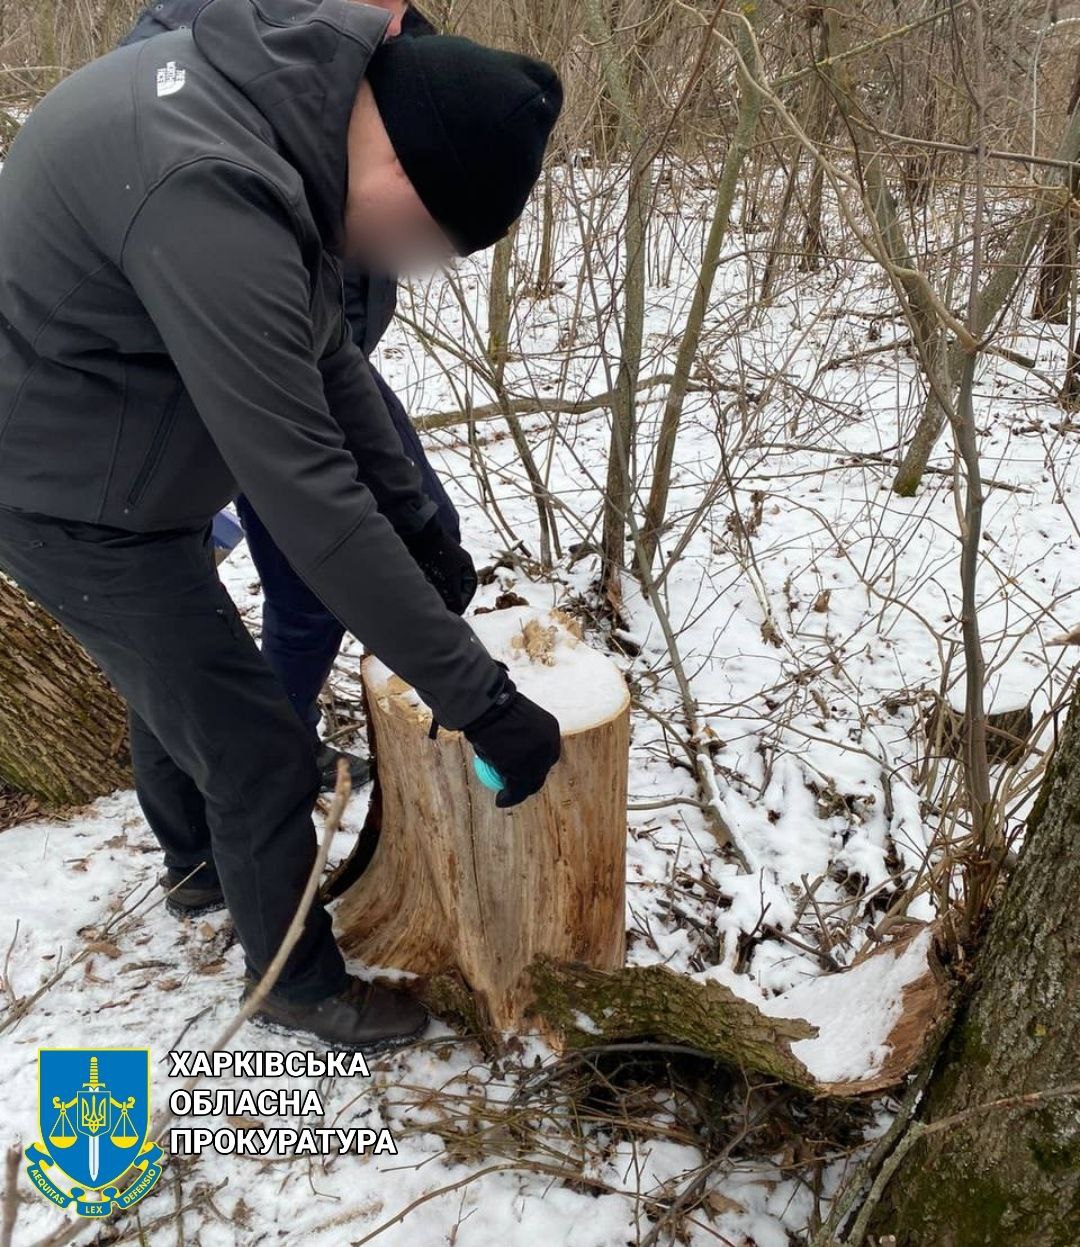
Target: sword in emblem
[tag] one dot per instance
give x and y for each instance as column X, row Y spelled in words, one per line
column 94, row 1116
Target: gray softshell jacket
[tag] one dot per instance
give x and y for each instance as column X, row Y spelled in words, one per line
column 172, row 329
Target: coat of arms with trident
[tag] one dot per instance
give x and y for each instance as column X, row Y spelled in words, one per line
column 94, row 1108
column 94, row 1105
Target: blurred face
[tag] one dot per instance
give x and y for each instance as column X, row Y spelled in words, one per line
column 387, row 227
column 396, row 9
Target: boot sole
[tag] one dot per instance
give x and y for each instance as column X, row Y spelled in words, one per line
column 372, row 1048
column 193, row 911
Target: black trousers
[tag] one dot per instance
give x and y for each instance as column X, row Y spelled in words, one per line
column 224, row 769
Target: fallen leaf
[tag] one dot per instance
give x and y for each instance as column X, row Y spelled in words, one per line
column 107, row 947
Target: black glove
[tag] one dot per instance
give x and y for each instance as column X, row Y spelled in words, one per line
column 448, row 567
column 520, row 740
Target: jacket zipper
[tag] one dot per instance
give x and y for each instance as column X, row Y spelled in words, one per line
column 153, row 455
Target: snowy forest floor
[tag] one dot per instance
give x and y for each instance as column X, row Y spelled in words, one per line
column 816, row 615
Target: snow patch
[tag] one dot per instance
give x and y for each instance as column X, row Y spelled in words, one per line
column 580, row 686
column 854, row 1011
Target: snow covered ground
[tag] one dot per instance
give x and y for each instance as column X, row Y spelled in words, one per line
column 811, row 606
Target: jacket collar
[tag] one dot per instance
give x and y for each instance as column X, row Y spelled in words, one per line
column 300, row 62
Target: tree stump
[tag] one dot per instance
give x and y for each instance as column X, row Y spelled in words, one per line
column 457, row 885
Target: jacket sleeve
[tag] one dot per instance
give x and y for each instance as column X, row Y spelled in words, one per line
column 359, row 410
column 216, row 261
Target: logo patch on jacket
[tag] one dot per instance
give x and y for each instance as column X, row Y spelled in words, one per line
column 170, row 79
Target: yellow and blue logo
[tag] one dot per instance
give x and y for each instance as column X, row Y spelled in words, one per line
column 94, row 1116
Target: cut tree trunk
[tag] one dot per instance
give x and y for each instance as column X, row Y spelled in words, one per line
column 63, row 730
column 1009, row 1175
column 458, row 889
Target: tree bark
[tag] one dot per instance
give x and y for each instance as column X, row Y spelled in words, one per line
column 63, row 730
column 500, row 302
column 1056, row 271
column 460, row 889
column 734, row 159
column 593, row 1007
column 1010, row 1175
column 632, row 134
column 820, row 113
column 590, row 1007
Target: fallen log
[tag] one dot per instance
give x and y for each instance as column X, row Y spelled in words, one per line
column 848, row 1034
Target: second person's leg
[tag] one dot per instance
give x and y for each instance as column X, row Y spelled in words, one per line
column 300, row 638
column 176, row 813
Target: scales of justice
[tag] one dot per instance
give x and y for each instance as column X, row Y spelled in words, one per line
column 96, row 1113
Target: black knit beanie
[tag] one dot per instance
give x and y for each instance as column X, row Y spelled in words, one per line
column 414, row 23
column 469, row 125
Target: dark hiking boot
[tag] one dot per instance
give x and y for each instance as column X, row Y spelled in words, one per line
column 189, row 897
column 326, row 759
column 362, row 1015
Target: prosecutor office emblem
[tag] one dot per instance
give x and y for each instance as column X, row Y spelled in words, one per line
column 94, row 1116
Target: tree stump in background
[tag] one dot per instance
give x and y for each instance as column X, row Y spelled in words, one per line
column 63, row 729
column 1007, row 731
column 457, row 886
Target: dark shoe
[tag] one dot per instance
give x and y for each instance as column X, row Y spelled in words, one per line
column 326, row 759
column 200, row 894
column 362, row 1015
